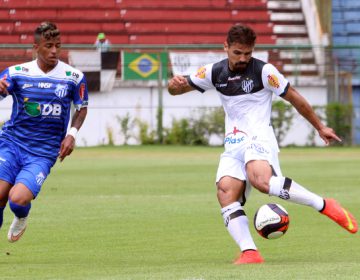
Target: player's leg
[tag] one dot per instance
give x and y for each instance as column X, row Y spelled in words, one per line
column 27, row 186
column 4, row 193
column 231, row 193
column 261, row 176
column 20, row 203
column 9, row 168
column 288, row 189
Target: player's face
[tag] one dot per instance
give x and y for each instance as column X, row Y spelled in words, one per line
column 48, row 52
column 239, row 56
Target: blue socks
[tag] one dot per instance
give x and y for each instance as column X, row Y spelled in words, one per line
column 18, row 210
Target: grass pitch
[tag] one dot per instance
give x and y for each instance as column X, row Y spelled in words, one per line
column 152, row 213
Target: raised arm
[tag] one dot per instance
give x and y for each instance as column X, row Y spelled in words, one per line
column 305, row 109
column 179, row 85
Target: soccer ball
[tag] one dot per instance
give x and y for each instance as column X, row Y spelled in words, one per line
column 271, row 221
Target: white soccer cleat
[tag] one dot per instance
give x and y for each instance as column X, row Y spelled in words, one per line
column 17, row 229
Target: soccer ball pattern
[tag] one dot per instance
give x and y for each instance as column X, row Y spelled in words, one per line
column 271, row 221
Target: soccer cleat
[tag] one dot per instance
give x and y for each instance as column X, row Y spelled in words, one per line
column 17, row 229
column 340, row 215
column 249, row 257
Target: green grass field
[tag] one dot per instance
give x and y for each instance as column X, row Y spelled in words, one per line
column 152, row 213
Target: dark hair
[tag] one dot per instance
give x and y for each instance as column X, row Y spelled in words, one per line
column 242, row 34
column 47, row 30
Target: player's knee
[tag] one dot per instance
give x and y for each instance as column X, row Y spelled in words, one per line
column 229, row 190
column 20, row 197
column 223, row 193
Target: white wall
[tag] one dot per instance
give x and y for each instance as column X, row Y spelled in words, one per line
column 104, row 108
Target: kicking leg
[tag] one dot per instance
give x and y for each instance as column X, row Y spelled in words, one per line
column 260, row 176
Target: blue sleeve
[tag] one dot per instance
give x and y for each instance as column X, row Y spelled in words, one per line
column 81, row 98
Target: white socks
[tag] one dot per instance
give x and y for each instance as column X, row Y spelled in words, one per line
column 238, row 226
column 237, row 222
column 288, row 189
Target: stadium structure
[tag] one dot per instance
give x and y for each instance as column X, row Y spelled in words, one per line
column 316, row 44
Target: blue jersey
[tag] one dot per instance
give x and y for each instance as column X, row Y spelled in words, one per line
column 41, row 105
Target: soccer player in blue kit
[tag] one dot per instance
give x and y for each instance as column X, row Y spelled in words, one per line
column 245, row 86
column 36, row 134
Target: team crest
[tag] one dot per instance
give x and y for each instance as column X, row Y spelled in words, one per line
column 40, row 178
column 247, row 85
column 61, row 90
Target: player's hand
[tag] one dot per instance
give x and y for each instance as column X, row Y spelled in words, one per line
column 178, row 85
column 3, row 86
column 178, row 81
column 328, row 135
column 67, row 146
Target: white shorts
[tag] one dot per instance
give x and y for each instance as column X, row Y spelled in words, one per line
column 233, row 160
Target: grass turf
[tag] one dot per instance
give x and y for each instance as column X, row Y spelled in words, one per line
column 152, row 213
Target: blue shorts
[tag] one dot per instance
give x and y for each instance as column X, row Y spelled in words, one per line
column 19, row 166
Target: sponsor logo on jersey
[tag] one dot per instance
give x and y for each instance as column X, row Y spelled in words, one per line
column 73, row 74
column 40, row 178
column 258, row 148
column 61, row 90
column 32, row 108
column 221, row 85
column 273, row 81
column 201, row 73
column 44, row 85
column 82, row 91
column 25, row 86
column 23, row 69
column 235, row 137
column 247, row 85
column 35, row 109
column 234, row 78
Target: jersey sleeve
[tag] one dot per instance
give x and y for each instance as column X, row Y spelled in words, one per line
column 273, row 80
column 5, row 75
column 202, row 79
column 81, row 97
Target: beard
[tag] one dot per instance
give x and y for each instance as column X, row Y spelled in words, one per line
column 240, row 66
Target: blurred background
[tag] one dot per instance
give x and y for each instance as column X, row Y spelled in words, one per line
column 314, row 43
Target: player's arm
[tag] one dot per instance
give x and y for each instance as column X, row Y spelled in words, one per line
column 3, row 88
column 68, row 144
column 5, row 84
column 179, row 85
column 305, row 109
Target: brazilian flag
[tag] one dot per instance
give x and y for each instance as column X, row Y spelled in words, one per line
column 144, row 66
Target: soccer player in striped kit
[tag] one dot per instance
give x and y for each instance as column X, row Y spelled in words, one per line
column 37, row 132
column 245, row 86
